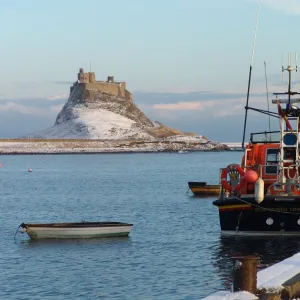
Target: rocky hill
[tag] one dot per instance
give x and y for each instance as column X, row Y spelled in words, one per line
column 98, row 110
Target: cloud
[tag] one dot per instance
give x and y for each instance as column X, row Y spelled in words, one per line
column 22, row 116
column 58, row 97
column 170, row 97
column 208, row 104
column 216, row 114
column 56, row 108
column 36, row 100
column 219, row 107
column 11, row 106
column 29, row 110
column 63, row 82
column 180, row 106
column 285, row 6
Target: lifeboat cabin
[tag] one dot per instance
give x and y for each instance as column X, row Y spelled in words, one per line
column 262, row 195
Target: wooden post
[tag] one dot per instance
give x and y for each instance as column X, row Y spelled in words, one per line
column 245, row 274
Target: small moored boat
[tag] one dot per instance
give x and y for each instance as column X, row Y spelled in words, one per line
column 76, row 230
column 203, row 189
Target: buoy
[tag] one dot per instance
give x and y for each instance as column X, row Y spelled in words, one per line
column 259, row 190
column 29, row 170
column 251, row 176
column 0, row 165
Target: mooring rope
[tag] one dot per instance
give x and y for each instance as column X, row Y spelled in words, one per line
column 17, row 232
column 238, row 224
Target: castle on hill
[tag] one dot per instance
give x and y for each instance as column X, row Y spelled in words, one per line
column 87, row 81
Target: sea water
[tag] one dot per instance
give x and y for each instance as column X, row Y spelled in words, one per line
column 175, row 249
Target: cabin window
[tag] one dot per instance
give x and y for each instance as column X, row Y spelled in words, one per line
column 272, row 161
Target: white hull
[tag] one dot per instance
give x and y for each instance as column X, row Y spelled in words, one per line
column 43, row 232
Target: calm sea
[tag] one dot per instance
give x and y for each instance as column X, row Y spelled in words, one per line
column 175, row 250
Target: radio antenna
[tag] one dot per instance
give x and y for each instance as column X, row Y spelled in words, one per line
column 267, row 90
column 296, row 62
column 289, row 68
column 250, row 72
column 282, row 69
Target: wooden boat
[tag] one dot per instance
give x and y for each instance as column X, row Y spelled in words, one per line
column 203, row 189
column 262, row 194
column 76, row 230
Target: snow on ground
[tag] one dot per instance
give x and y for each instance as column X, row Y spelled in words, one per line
column 187, row 138
column 93, row 146
column 223, row 295
column 101, row 130
column 94, row 124
column 103, row 124
column 275, row 276
column 272, row 279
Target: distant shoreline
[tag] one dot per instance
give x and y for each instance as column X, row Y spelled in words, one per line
column 78, row 146
column 110, row 152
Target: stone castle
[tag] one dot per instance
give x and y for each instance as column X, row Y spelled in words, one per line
column 87, row 81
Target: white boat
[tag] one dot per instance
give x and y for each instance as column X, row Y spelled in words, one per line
column 76, row 230
column 182, row 151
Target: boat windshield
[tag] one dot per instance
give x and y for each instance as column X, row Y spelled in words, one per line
column 265, row 137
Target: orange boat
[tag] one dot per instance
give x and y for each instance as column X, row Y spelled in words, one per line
column 262, row 194
column 204, row 189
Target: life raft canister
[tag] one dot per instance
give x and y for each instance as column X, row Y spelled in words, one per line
column 232, row 168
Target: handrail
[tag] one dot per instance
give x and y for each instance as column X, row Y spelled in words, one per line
column 288, row 168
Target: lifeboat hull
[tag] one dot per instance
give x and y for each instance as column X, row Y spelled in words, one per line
column 274, row 216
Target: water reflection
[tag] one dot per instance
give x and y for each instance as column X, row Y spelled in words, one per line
column 49, row 243
column 270, row 250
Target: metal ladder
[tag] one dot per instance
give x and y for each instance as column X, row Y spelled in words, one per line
column 289, row 144
column 289, row 141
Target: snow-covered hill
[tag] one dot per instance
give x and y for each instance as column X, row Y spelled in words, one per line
column 84, row 122
column 95, row 115
column 92, row 114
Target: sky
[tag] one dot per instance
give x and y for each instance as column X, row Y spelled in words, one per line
column 186, row 62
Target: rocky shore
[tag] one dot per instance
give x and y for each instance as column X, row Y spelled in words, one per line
column 69, row 146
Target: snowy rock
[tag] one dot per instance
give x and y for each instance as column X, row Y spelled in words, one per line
column 94, row 114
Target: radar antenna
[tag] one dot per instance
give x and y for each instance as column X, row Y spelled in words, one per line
column 288, row 68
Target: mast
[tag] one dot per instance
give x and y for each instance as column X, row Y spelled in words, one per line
column 246, row 107
column 289, row 93
column 250, row 73
column 289, row 137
